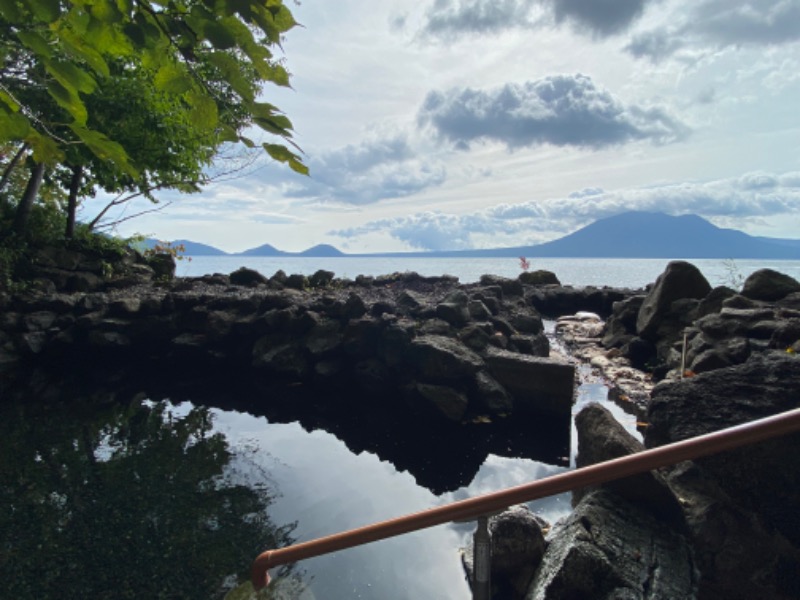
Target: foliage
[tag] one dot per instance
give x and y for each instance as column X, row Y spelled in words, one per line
column 176, row 251
column 198, row 53
column 136, row 501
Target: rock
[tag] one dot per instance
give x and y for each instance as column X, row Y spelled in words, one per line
column 557, row 301
column 451, row 403
column 518, row 545
column 611, row 549
column 163, row 265
column 741, row 504
column 602, row 438
column 475, row 337
column 439, row 358
column 492, row 397
column 372, row 376
column 454, row 309
column 538, row 385
column 296, row 281
column 479, row 311
column 526, row 322
column 680, row 280
column 756, row 476
column 769, row 285
column 321, row 278
column 621, row 325
column 737, row 555
column 410, row 299
column 247, row 277
column 510, row 287
column 714, row 301
column 539, row 277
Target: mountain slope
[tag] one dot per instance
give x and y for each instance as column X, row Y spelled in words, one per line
column 656, row 235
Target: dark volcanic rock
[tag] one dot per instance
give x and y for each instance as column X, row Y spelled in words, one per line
column 766, row 284
column 540, row 277
column 679, row 281
column 602, row 438
column 609, row 548
column 741, row 504
column 247, row 277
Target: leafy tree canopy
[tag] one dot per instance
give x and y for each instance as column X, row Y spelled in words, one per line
column 204, row 58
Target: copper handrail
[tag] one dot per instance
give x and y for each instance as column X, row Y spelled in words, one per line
column 471, row 508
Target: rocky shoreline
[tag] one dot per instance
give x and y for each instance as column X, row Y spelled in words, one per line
column 470, row 365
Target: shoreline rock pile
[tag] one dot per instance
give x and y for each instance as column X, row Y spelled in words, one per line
column 721, row 527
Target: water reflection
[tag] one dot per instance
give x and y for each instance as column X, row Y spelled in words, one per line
column 131, row 488
column 125, row 500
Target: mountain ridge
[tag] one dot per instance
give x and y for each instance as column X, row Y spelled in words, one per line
column 633, row 234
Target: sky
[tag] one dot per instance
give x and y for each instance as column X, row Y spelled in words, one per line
column 455, row 124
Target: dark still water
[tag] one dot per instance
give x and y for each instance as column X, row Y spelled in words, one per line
column 119, row 490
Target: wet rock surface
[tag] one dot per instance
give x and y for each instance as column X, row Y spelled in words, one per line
column 612, row 548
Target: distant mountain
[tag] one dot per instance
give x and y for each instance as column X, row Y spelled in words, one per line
column 321, row 250
column 781, row 241
column 628, row 235
column 265, row 250
column 656, row 235
column 649, row 235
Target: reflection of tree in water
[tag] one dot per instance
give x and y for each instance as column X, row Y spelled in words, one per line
column 124, row 502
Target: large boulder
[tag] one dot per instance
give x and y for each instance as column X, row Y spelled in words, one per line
column 769, row 285
column 680, row 280
column 601, row 438
column 741, row 505
column 537, row 384
column 611, row 549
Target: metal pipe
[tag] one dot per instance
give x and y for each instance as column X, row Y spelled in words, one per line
column 471, row 508
column 482, row 560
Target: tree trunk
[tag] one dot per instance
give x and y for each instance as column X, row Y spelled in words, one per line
column 72, row 201
column 26, row 203
column 12, row 165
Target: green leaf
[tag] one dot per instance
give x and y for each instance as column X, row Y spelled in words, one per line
column 70, row 76
column 105, row 148
column 106, row 11
column 173, row 79
column 45, row 149
column 46, row 11
column 283, row 154
column 11, row 12
column 203, row 111
column 135, row 33
column 78, row 49
column 9, row 101
column 283, row 18
column 272, row 72
column 68, row 100
column 228, row 134
column 269, row 126
column 107, row 39
column 230, row 69
column 13, row 126
column 35, row 42
column 220, row 36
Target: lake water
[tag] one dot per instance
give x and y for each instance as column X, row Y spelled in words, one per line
column 118, row 491
column 633, row 273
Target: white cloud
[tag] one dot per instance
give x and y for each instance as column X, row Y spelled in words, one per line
column 562, row 110
column 733, row 202
column 716, row 24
